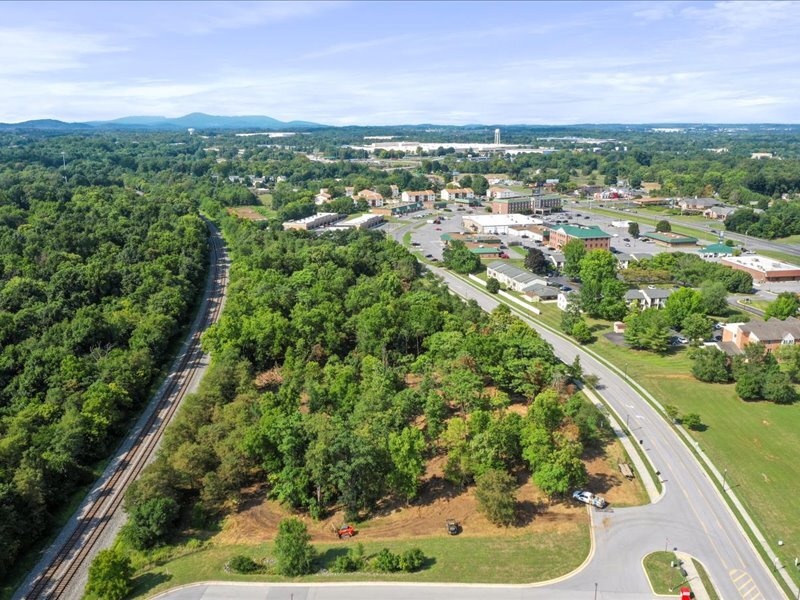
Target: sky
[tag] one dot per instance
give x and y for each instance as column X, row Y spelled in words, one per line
column 384, row 63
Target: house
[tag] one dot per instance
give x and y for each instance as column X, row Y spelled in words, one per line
column 696, row 204
column 715, row 251
column 543, row 204
column 669, row 239
column 772, row 333
column 541, row 293
column 323, row 197
column 395, row 191
column 593, row 238
column 624, row 260
column 349, row 191
column 648, row 298
column 495, row 193
column 450, row 195
column 564, row 300
column 719, row 212
column 557, row 260
column 513, row 277
column 763, row 269
column 419, row 196
column 760, row 155
column 374, row 199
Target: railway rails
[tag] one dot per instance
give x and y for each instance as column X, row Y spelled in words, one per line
column 58, row 576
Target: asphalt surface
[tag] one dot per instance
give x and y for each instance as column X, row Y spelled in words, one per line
column 691, row 516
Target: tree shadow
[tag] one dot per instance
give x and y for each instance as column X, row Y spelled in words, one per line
column 325, row 559
column 602, row 483
column 526, row 511
column 148, row 581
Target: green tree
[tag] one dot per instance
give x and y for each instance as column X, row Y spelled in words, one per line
column 459, row 258
column 496, row 495
column 681, row 304
column 110, row 575
column 573, row 251
column 406, row 450
column 563, row 470
column 696, row 327
column 778, row 388
column 692, row 421
column 711, row 365
column 294, row 554
column 536, row 262
column 492, row 285
column 663, row 226
column 783, row 307
column 647, row 330
column 150, row 521
column 582, row 332
column 633, row 229
column 715, row 297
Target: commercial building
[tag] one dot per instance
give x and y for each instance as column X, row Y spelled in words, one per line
column 763, row 269
column 513, row 277
column 669, row 239
column 497, row 224
column 312, row 222
column 363, row 222
column 507, row 206
column 773, row 333
column 715, row 251
column 537, row 233
column 421, row 196
column 396, row 209
column 451, row 195
column 647, row 298
column 593, row 238
column 545, row 204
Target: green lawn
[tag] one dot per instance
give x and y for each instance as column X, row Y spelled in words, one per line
column 701, row 571
column 522, row 558
column 664, row 578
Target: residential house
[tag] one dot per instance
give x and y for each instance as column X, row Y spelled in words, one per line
column 557, row 260
column 323, row 197
column 374, row 199
column 624, row 260
column 648, row 298
column 696, row 204
column 719, row 212
column 773, row 333
column 420, row 196
column 564, row 299
column 513, row 277
column 451, row 195
column 541, row 293
column 495, row 193
column 395, row 191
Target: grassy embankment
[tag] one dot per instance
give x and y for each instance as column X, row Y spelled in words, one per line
column 664, row 578
column 514, row 559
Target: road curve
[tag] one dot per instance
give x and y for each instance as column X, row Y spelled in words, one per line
column 62, row 571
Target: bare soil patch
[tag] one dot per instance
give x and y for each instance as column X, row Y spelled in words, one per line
column 247, row 212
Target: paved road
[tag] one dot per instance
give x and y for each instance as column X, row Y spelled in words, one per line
column 751, row 242
column 690, row 516
column 62, row 571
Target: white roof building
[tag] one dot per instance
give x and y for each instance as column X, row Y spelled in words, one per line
column 497, row 223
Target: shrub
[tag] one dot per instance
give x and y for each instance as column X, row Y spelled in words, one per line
column 412, row 560
column 243, row 564
column 692, row 421
column 386, row 561
column 350, row 562
column 110, row 575
column 496, row 494
column 492, row 285
column 294, row 553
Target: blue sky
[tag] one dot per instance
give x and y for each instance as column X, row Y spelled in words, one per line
column 345, row 63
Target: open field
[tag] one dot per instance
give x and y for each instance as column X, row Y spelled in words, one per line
column 251, row 213
column 521, row 558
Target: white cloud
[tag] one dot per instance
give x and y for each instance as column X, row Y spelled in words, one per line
column 25, row 50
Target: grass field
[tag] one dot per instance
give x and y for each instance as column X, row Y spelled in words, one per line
column 664, row 578
column 508, row 559
column 701, row 571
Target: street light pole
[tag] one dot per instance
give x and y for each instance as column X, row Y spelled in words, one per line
column 724, row 477
column 666, row 544
column 595, row 591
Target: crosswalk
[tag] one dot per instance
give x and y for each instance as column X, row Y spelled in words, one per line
column 745, row 584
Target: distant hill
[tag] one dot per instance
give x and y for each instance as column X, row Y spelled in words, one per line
column 193, row 120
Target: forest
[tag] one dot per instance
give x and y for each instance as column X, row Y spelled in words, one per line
column 340, row 368
column 96, row 281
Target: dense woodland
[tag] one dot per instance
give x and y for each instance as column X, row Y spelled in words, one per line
column 339, row 369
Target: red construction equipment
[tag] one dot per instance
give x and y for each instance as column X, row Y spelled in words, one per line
column 345, row 531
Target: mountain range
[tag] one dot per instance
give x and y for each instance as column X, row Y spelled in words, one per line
column 193, row 120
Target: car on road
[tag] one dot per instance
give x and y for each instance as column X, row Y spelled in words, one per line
column 429, row 256
column 415, row 243
column 586, row 217
column 438, row 229
column 686, row 593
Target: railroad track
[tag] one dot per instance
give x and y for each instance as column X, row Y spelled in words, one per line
column 55, row 579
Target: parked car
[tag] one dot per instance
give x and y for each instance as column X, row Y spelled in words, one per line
column 586, row 217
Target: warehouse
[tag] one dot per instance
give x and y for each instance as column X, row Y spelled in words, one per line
column 312, row 222
column 497, row 224
column 763, row 269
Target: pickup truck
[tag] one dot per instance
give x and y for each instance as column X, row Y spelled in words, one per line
column 589, row 498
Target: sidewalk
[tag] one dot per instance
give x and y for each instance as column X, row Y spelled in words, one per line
column 693, row 577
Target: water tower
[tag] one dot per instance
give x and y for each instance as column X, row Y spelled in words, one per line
column 497, row 137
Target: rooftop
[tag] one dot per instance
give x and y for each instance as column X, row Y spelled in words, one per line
column 670, row 238
column 583, row 233
column 760, row 263
column 502, row 220
column 772, row 329
column 716, row 249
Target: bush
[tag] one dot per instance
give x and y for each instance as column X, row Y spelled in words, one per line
column 492, row 285
column 350, row 562
column 412, row 560
column 692, row 421
column 386, row 561
column 243, row 564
